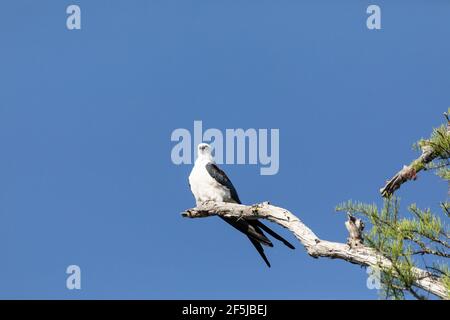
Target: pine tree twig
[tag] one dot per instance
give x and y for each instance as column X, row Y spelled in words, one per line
column 446, row 209
column 408, row 287
column 431, row 252
column 315, row 247
column 436, row 270
column 415, row 294
column 431, row 238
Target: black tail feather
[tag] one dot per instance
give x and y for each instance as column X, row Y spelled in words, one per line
column 253, row 229
column 249, row 230
column 260, row 249
column 273, row 233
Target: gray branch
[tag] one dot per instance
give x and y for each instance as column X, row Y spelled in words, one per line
column 410, row 171
column 354, row 251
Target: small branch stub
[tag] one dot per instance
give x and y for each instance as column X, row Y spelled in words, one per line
column 355, row 228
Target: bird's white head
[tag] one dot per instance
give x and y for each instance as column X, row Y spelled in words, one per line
column 204, row 151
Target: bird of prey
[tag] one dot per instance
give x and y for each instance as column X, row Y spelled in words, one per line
column 208, row 182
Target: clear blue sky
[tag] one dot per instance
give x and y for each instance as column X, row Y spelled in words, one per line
column 86, row 176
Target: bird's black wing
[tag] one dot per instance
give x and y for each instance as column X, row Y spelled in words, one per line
column 221, row 177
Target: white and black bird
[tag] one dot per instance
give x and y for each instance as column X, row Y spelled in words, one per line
column 209, row 182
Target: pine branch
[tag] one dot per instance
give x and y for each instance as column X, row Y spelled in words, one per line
column 431, row 252
column 316, row 247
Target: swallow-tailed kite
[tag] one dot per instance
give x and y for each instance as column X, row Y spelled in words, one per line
column 209, row 182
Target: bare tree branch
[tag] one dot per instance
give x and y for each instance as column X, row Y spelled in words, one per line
column 408, row 172
column 316, row 247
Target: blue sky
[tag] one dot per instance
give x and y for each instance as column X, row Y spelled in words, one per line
column 86, row 116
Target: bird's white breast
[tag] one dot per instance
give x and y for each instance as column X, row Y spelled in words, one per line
column 204, row 187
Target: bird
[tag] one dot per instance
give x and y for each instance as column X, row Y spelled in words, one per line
column 209, row 183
